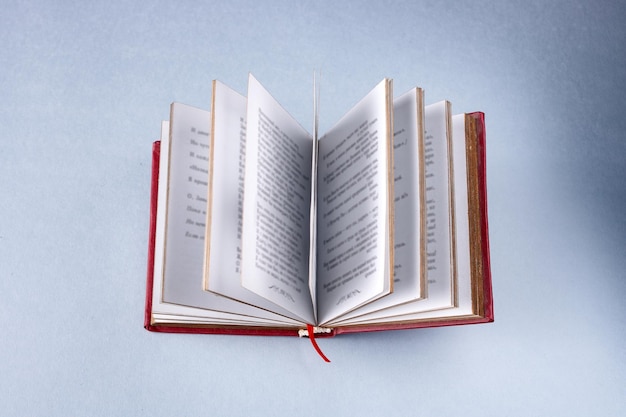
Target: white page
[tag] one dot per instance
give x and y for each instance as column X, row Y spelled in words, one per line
column 354, row 207
column 179, row 249
column 186, row 203
column 226, row 197
column 277, row 187
column 313, row 211
column 408, row 150
column 461, row 215
column 409, row 276
column 439, row 210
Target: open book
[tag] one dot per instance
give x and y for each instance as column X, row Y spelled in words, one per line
column 260, row 227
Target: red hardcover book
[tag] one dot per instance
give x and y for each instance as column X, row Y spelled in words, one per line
column 469, row 296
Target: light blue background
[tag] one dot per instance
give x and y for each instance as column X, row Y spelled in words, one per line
column 83, row 89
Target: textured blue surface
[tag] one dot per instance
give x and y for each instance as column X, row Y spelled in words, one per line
column 84, row 88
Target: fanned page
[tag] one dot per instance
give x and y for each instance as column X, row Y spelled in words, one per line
column 409, row 206
column 354, row 207
column 180, row 229
column 440, row 259
column 440, row 230
column 222, row 272
column 277, row 187
column 313, row 210
column 461, row 131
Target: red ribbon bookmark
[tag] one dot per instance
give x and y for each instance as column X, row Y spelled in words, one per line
column 311, row 332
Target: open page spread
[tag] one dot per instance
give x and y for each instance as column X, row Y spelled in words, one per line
column 261, row 224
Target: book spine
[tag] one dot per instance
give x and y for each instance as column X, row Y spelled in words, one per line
column 154, row 191
column 479, row 119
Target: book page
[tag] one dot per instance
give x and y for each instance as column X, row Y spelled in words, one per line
column 226, row 196
column 439, row 220
column 225, row 193
column 277, row 187
column 440, row 235
column 186, row 203
column 181, row 215
column 461, row 214
column 409, row 209
column 409, row 276
column 354, row 197
column 313, row 211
